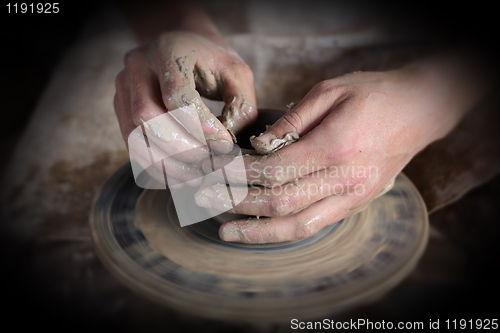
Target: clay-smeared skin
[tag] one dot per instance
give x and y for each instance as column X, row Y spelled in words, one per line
column 275, row 144
column 172, row 72
column 363, row 119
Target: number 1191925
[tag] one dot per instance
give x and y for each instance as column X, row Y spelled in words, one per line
column 484, row 324
column 33, row 8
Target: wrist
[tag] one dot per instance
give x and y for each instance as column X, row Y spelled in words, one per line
column 445, row 89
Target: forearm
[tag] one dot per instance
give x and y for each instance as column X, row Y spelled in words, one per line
column 150, row 18
column 453, row 82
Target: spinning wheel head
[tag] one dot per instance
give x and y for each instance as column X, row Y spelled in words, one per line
column 138, row 237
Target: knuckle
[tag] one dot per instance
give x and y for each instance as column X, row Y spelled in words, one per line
column 138, row 106
column 294, row 120
column 271, row 177
column 321, row 86
column 170, row 37
column 350, row 181
column 138, row 116
column 355, row 183
column 347, row 150
column 304, row 230
column 242, row 69
column 171, row 82
column 279, row 206
column 139, row 110
column 274, row 182
column 245, row 71
column 329, row 89
column 364, row 191
column 120, row 80
column 131, row 58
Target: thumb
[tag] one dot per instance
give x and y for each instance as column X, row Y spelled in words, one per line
column 301, row 119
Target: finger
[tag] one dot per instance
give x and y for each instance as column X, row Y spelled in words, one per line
column 156, row 171
column 327, row 145
column 278, row 168
column 269, row 170
column 205, row 82
column 149, row 151
column 279, row 200
column 301, row 119
column 175, row 169
column 240, row 109
column 289, row 228
column 178, row 90
column 121, row 104
column 146, row 106
column 172, row 138
column 289, row 198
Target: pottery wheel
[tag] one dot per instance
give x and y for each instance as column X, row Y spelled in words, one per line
column 137, row 235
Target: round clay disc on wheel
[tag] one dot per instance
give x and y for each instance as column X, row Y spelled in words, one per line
column 137, row 235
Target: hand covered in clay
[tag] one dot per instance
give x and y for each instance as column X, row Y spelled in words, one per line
column 171, row 73
column 356, row 133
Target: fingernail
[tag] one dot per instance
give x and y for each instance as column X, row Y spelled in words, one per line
column 206, row 166
column 201, row 199
column 216, row 196
column 220, row 197
column 229, row 235
column 222, row 146
column 162, row 133
column 266, row 138
column 263, row 141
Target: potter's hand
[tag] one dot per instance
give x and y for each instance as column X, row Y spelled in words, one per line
column 356, row 134
column 171, row 73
